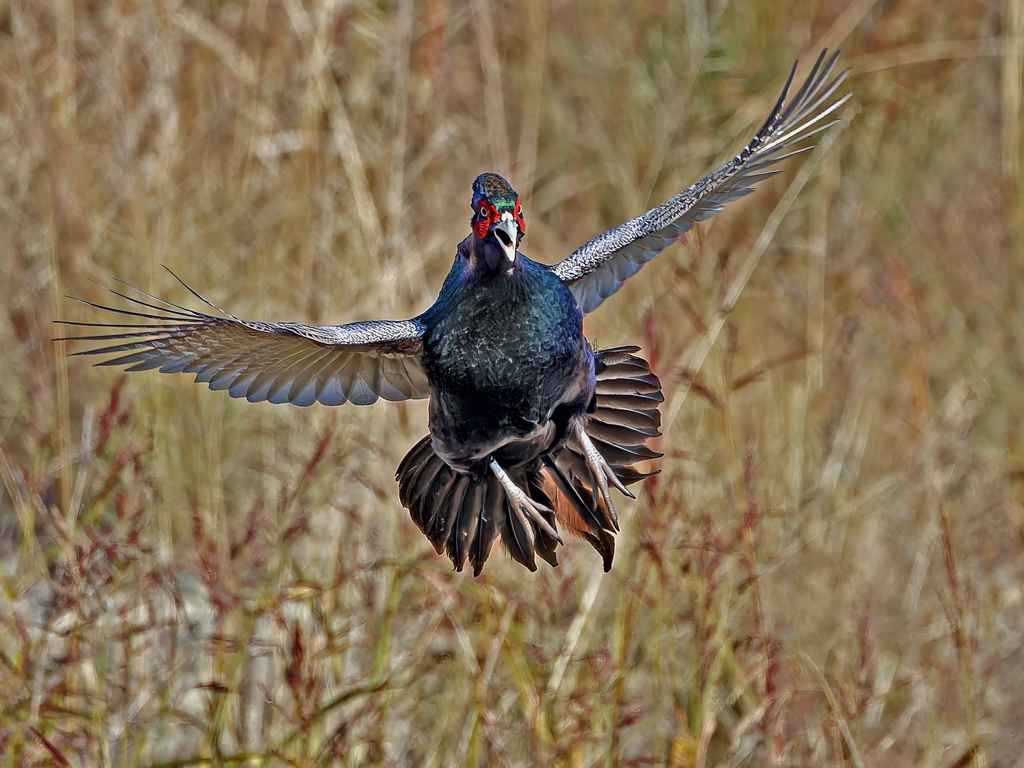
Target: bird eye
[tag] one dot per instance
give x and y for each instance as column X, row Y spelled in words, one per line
column 483, row 211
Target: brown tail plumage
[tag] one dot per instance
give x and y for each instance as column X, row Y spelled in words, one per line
column 462, row 513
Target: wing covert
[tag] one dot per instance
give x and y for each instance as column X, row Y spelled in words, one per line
column 598, row 268
column 278, row 362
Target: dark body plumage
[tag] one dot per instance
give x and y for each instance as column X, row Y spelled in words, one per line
column 503, row 352
column 530, row 428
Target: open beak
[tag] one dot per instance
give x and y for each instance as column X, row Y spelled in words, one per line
column 507, row 233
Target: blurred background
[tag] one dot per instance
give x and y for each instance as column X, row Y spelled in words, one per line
column 827, row 571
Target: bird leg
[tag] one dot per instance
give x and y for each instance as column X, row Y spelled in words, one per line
column 524, row 503
column 600, row 469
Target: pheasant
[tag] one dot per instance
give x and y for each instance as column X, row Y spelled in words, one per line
column 530, row 427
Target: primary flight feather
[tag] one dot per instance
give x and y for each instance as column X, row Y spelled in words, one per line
column 530, row 427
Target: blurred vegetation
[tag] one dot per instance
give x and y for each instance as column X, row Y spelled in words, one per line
column 828, row 570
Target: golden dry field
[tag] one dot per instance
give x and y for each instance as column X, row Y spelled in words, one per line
column 829, row 569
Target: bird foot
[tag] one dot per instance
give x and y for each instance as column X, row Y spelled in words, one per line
column 523, row 504
column 602, row 472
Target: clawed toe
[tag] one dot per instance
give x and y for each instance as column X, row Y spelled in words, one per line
column 600, row 469
column 523, row 503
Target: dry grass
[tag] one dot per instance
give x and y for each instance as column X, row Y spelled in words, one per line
column 828, row 570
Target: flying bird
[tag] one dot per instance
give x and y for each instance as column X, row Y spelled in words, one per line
column 530, row 427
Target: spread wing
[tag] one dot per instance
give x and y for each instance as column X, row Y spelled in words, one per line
column 279, row 362
column 596, row 270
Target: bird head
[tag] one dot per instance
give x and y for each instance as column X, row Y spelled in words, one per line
column 497, row 221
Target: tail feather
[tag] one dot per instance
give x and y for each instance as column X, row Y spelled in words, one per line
column 420, row 484
column 438, row 528
column 577, row 512
column 464, row 513
column 628, row 476
column 466, row 518
column 615, row 434
column 634, row 385
column 545, row 544
column 637, row 403
column 492, row 510
column 639, row 421
column 618, row 454
column 519, row 535
column 592, row 511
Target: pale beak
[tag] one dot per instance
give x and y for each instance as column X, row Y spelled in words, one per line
column 507, row 233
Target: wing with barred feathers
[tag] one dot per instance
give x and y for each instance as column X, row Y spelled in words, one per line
column 597, row 269
column 278, row 362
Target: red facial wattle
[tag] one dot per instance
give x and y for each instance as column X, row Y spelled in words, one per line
column 486, row 215
column 517, row 212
